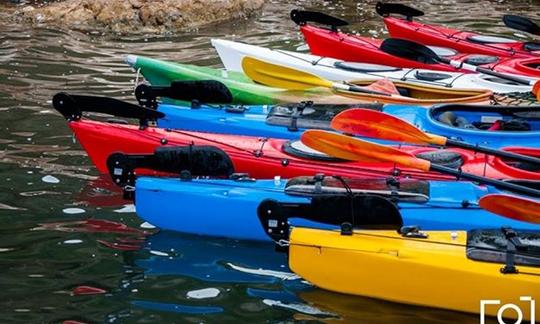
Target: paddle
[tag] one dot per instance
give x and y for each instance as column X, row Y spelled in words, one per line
column 376, row 124
column 279, row 76
column 417, row 52
column 518, row 208
column 351, row 148
column 521, row 23
column 205, row 91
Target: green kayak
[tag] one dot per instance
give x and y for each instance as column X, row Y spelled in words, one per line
column 243, row 89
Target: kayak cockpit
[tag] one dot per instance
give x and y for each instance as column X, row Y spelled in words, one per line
column 487, row 118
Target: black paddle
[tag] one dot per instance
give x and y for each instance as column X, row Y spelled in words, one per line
column 204, row 91
column 521, row 23
column 417, row 52
column 385, row 9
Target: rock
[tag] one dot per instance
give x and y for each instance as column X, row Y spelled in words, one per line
column 122, row 16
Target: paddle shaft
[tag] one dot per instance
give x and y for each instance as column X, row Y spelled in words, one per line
column 493, row 182
column 501, row 153
column 470, row 67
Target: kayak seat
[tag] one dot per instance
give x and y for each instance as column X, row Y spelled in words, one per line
column 409, row 189
column 431, row 76
column 531, row 46
column 485, row 39
column 490, row 246
column 298, row 149
column 481, row 59
column 443, row 157
column 308, row 115
column 364, row 67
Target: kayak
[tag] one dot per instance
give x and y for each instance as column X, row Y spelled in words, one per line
column 492, row 126
column 339, row 45
column 229, row 208
column 462, row 41
column 449, row 270
column 231, row 54
column 245, row 91
column 265, row 158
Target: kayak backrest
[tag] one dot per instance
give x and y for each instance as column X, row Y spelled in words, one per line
column 410, row 190
column 490, row 245
column 301, row 17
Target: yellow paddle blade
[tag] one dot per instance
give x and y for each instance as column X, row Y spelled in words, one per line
column 280, row 76
column 354, row 149
column 376, row 124
column 518, row 208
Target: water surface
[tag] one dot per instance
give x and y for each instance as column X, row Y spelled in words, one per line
column 71, row 250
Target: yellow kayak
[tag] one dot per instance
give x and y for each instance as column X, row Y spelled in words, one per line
column 445, row 270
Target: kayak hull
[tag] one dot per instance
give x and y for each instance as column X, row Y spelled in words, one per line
column 356, row 48
column 228, row 208
column 453, row 38
column 231, row 54
column 253, row 122
column 434, row 272
column 245, row 91
column 265, row 158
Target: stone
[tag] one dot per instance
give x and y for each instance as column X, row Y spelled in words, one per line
column 154, row 16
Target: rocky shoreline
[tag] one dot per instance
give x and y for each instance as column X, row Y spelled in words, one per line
column 147, row 16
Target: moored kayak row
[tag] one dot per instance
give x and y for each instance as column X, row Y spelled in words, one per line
column 406, row 182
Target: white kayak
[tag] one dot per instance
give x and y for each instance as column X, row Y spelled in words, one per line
column 231, row 54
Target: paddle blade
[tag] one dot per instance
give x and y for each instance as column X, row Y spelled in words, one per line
column 521, row 23
column 518, row 208
column 278, row 76
column 376, row 124
column 354, row 149
column 409, row 50
column 536, row 90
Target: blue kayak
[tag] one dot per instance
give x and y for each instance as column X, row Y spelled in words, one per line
column 490, row 126
column 228, row 208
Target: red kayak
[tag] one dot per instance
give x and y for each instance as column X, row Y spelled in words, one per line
column 336, row 44
column 266, row 158
column 462, row 41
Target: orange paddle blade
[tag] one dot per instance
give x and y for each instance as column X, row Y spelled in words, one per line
column 518, row 208
column 536, row 90
column 376, row 124
column 354, row 149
